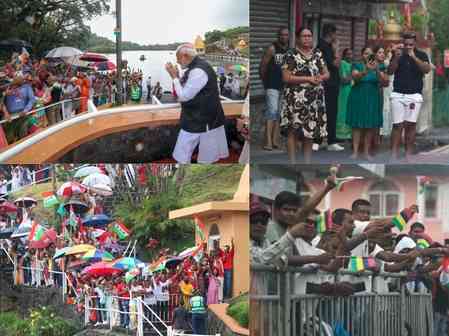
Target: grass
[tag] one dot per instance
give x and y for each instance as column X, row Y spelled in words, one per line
column 204, row 183
column 35, row 191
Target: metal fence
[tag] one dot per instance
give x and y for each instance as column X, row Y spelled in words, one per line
column 279, row 306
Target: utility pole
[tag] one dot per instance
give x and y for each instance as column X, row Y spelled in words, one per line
column 118, row 50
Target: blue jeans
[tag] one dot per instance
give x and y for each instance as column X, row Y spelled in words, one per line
column 227, row 286
column 273, row 103
column 198, row 324
column 440, row 324
column 124, row 317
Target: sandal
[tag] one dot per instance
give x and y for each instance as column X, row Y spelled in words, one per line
column 268, row 148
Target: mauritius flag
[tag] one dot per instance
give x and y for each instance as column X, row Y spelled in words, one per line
column 323, row 221
column 36, row 233
column 120, row 230
column 401, row 219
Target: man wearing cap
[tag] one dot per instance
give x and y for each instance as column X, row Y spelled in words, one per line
column 19, row 99
column 202, row 116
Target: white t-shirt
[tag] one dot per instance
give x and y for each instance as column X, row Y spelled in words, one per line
column 3, row 186
column 301, row 279
column 149, row 297
column 161, row 291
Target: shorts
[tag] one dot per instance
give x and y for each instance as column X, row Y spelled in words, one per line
column 213, row 146
column 405, row 107
column 273, row 104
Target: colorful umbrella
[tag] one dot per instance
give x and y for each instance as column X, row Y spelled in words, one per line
column 25, row 202
column 71, row 188
column 101, row 268
column 86, row 171
column 97, row 178
column 78, row 249
column 92, row 57
column 97, row 221
column 7, row 207
column 77, row 206
column 97, row 255
column 127, row 263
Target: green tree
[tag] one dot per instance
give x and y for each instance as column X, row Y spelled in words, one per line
column 213, row 36
column 50, row 23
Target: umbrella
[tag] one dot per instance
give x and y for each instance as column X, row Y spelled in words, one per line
column 131, row 274
column 239, row 67
column 77, row 249
column 7, row 207
column 97, row 221
column 101, row 268
column 77, row 206
column 97, row 178
column 70, row 188
column 173, row 262
column 105, row 66
column 25, row 202
column 64, row 52
column 60, row 252
column 97, row 255
column 86, row 171
column 114, row 247
column 92, row 57
column 127, row 263
column 14, row 44
column 78, row 263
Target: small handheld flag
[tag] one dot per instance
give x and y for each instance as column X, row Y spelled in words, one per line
column 120, row 230
column 323, row 221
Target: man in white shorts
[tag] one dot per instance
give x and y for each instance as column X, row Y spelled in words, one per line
column 409, row 65
column 202, row 116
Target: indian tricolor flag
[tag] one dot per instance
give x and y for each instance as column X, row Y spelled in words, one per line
column 199, row 227
column 50, row 199
column 340, row 181
column 120, row 230
column 36, row 233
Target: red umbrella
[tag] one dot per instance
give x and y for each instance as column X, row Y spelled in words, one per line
column 92, row 57
column 101, row 268
column 7, row 207
column 105, row 66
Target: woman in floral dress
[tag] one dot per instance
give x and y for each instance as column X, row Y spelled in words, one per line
column 303, row 112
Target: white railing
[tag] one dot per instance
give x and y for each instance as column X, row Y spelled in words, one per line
column 223, row 58
column 32, row 182
column 65, row 279
column 171, row 332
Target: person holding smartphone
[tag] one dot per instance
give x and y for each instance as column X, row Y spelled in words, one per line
column 409, row 66
column 364, row 111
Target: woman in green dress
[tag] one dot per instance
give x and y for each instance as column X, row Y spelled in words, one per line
column 379, row 51
column 364, row 113
column 345, row 70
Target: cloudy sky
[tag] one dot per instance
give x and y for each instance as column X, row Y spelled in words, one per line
column 165, row 21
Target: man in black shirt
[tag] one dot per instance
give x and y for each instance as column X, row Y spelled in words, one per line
column 327, row 46
column 409, row 65
column 271, row 75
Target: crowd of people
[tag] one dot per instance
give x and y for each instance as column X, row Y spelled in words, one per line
column 288, row 234
column 318, row 93
column 178, row 293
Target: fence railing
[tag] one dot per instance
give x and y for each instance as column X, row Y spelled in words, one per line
column 34, row 179
column 281, row 304
column 230, row 59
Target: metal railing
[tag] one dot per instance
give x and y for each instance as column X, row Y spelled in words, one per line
column 229, row 59
column 280, row 306
column 66, row 283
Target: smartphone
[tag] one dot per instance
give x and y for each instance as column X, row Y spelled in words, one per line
column 371, row 58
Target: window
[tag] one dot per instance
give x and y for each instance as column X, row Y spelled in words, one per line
column 430, row 200
column 385, row 199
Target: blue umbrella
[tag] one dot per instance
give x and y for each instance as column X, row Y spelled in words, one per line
column 97, row 221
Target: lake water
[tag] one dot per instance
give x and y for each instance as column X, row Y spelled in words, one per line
column 153, row 66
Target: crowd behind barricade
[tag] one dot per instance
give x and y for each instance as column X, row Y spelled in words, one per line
column 296, row 234
column 31, row 84
column 13, row 178
column 233, row 86
column 176, row 287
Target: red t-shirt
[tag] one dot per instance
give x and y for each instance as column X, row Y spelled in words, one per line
column 121, row 290
column 228, row 259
